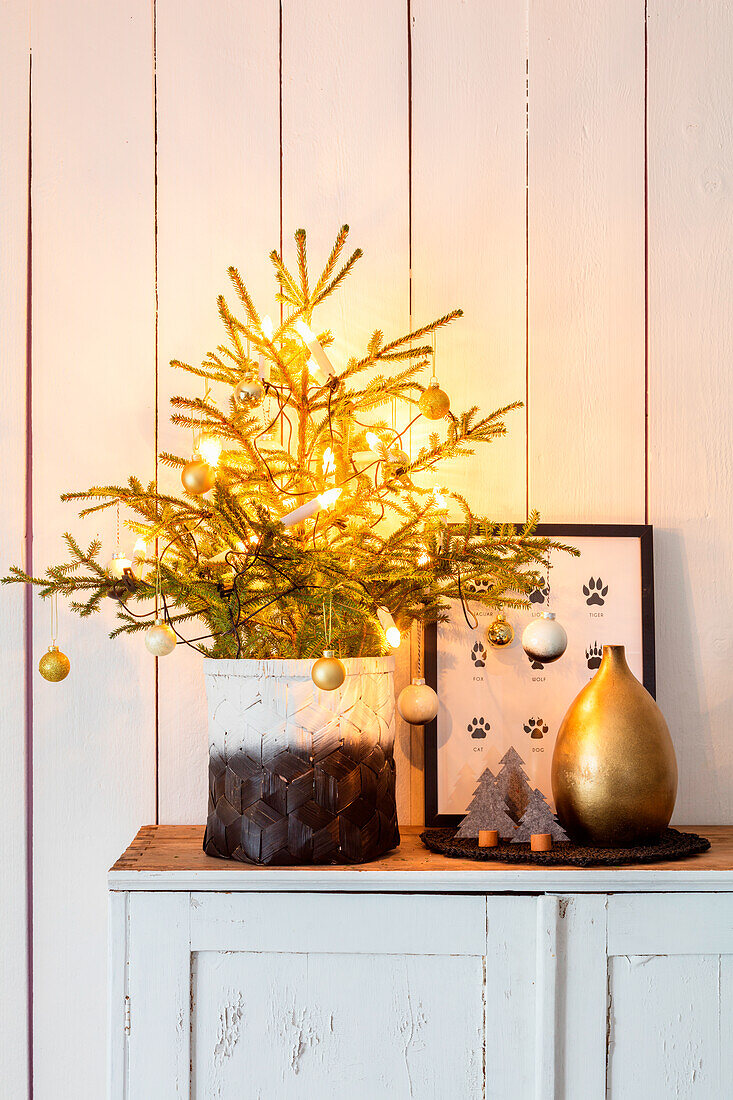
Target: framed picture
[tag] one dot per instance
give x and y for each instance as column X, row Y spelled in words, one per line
column 494, row 699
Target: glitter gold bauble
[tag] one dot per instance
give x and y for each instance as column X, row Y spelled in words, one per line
column 160, row 640
column 417, row 703
column 614, row 772
column 249, row 391
column 197, row 476
column 54, row 665
column 434, row 403
column 500, row 633
column 328, row 671
column 544, row 639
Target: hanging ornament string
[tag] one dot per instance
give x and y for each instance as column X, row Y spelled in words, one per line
column 466, row 610
column 54, row 618
column 418, row 702
column 54, row 665
column 327, row 629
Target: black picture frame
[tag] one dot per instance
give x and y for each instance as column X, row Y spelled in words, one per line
column 565, row 532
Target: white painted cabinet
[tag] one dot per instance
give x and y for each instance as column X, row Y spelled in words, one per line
column 231, row 982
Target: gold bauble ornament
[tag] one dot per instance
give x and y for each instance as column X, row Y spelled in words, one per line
column 160, row 639
column 249, row 391
column 328, row 672
column 434, row 403
column 544, row 639
column 417, row 703
column 197, row 476
column 614, row 772
column 54, row 665
column 500, row 633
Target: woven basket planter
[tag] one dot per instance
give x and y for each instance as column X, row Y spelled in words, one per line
column 296, row 774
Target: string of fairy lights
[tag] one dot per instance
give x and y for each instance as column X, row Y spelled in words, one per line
column 418, row 703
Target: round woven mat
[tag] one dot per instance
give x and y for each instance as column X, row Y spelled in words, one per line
column 671, row 845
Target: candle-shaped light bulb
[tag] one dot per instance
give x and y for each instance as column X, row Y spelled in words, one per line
column 328, row 464
column 305, row 511
column 390, row 628
column 210, row 449
column 318, row 355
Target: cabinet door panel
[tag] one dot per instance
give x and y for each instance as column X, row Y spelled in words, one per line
column 300, row 1025
column 670, row 1026
column 670, row 989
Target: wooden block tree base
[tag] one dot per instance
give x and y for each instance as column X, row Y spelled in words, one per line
column 540, row 842
column 488, row 838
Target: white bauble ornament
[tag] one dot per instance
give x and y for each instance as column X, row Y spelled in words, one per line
column 249, row 391
column 544, row 639
column 116, row 567
column 417, row 703
column 160, row 640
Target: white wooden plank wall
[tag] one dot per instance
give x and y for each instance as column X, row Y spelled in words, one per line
column 345, row 157
column 327, row 86
column 586, row 260
column 691, row 388
column 14, row 35
column 93, row 376
column 218, row 204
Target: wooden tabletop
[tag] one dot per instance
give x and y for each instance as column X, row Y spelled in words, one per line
column 170, row 857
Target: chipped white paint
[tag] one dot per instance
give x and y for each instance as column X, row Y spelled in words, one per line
column 420, row 995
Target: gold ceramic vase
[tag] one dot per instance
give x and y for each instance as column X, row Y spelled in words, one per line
column 614, row 771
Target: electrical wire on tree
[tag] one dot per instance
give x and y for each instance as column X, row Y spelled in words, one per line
column 301, row 490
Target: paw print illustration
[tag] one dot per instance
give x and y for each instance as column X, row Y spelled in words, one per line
column 478, row 728
column 535, row 663
column 536, row 728
column 593, row 655
column 478, row 655
column 540, row 593
column 595, row 592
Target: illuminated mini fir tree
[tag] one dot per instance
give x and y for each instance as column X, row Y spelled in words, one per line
column 310, row 528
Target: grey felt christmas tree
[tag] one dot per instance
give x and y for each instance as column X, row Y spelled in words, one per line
column 513, row 783
column 538, row 818
column 487, row 810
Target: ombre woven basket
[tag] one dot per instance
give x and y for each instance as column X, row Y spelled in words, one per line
column 296, row 774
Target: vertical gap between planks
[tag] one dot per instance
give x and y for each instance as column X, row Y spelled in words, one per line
column 280, row 131
column 156, row 681
column 526, row 259
column 416, row 732
column 646, row 262
column 28, row 602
